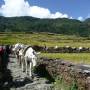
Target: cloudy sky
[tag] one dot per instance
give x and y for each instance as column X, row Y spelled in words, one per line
column 77, row 9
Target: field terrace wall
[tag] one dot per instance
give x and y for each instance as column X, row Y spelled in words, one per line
column 66, row 49
column 68, row 71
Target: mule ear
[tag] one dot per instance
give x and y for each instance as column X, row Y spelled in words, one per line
column 38, row 53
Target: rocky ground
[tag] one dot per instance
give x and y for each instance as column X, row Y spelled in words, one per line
column 22, row 82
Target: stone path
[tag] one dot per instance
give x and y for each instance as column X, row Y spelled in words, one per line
column 23, row 82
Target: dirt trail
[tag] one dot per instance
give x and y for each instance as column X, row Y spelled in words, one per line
column 23, row 82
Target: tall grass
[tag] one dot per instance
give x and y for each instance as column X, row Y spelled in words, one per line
column 60, row 84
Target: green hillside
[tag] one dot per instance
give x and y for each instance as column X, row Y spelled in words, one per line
column 30, row 24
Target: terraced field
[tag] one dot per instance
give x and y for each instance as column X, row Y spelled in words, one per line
column 47, row 39
column 50, row 40
column 78, row 58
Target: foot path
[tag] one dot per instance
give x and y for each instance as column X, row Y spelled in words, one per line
column 23, row 82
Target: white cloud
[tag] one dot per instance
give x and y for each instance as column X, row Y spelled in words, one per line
column 39, row 12
column 80, row 18
column 59, row 15
column 13, row 8
column 88, row 16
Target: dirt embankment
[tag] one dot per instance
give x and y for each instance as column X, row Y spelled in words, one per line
column 68, row 71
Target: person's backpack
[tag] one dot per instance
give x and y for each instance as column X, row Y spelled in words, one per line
column 1, row 50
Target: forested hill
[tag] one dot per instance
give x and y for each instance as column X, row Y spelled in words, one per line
column 30, row 24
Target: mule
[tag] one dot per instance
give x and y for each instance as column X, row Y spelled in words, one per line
column 16, row 48
column 28, row 57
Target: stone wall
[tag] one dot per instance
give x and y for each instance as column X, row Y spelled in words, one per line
column 66, row 49
column 68, row 71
